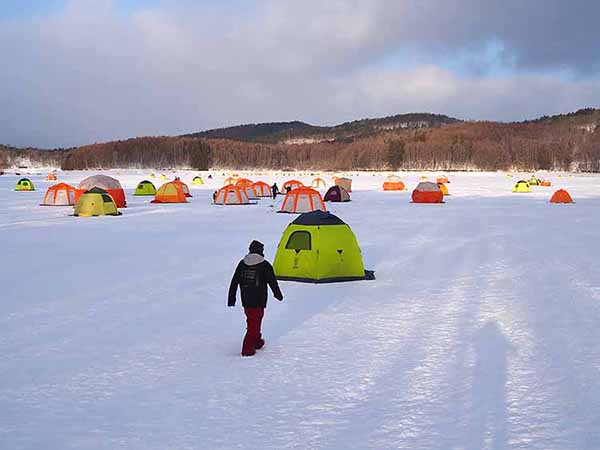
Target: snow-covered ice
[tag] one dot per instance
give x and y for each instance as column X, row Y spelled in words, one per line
column 481, row 331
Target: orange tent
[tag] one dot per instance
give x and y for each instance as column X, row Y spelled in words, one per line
column 545, row 183
column 443, row 179
column 60, row 194
column 249, row 191
column 262, row 189
column 293, row 184
column 319, row 183
column 51, row 177
column 302, row 200
column 561, row 196
column 230, row 180
column 243, row 183
column 170, row 193
column 427, row 192
column 393, row 183
column 231, row 195
column 109, row 184
column 184, row 187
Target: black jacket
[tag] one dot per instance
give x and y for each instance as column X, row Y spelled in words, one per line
column 253, row 274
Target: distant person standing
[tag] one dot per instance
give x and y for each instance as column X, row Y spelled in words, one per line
column 253, row 274
column 275, row 190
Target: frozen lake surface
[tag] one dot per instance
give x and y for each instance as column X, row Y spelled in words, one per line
column 481, row 331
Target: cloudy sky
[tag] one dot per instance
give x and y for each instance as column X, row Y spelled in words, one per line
column 82, row 71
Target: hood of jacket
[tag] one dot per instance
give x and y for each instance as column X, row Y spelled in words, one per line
column 252, row 259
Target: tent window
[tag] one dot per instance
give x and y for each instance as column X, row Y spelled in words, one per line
column 106, row 198
column 299, row 240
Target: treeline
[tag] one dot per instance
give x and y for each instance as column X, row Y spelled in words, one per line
column 544, row 145
column 570, row 142
column 25, row 157
column 141, row 153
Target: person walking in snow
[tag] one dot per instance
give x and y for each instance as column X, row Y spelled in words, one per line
column 253, row 274
column 275, row 190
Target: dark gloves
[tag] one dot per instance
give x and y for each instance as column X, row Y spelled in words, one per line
column 279, row 296
column 231, row 302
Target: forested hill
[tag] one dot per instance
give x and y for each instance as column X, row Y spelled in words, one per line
column 300, row 132
column 405, row 142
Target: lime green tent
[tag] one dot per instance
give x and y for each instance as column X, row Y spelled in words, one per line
column 522, row 186
column 534, row 181
column 319, row 247
column 145, row 188
column 96, row 202
column 197, row 181
column 24, row 184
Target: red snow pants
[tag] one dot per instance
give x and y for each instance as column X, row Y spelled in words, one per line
column 253, row 339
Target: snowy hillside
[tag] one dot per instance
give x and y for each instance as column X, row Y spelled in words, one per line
column 481, row 331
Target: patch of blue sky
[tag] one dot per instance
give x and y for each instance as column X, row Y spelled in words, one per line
column 29, row 8
column 488, row 58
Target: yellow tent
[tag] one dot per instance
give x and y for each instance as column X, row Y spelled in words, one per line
column 96, row 202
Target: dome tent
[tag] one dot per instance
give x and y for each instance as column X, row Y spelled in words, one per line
column 545, row 183
column 184, row 187
column 231, row 195
column 51, row 177
column 106, row 183
column 393, row 183
column 197, row 181
column 534, row 181
column 243, row 183
column 145, row 188
column 522, row 187
column 346, row 183
column 170, row 193
column 427, row 192
column 318, row 183
column 443, row 179
column 249, row 191
column 60, row 194
column 96, row 202
column 230, row 180
column 302, row 200
column 561, row 196
column 292, row 184
column 262, row 189
column 319, row 247
column 24, row 184
column 337, row 194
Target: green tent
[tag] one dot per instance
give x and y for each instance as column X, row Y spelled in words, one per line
column 534, row 181
column 145, row 188
column 522, row 186
column 96, row 202
column 24, row 184
column 319, row 247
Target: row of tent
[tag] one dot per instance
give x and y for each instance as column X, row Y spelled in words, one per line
column 523, row 186
column 299, row 199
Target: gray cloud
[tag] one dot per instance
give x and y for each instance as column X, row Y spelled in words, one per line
column 92, row 73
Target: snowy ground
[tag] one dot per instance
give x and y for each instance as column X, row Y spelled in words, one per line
column 482, row 330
